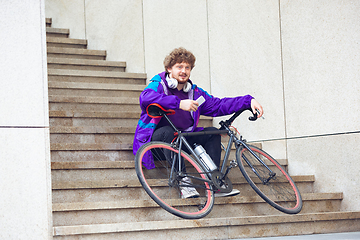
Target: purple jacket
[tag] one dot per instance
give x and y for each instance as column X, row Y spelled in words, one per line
column 157, row 92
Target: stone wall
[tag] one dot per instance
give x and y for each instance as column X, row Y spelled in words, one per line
column 25, row 183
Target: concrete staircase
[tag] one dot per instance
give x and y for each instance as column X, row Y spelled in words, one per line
column 94, row 109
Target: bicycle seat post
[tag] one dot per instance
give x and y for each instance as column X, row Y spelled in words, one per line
column 170, row 122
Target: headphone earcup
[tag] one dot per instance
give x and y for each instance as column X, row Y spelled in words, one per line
column 172, row 83
column 187, row 87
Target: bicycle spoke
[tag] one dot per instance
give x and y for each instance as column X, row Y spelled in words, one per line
column 280, row 191
column 167, row 190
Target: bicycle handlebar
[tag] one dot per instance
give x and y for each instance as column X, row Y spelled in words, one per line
column 236, row 114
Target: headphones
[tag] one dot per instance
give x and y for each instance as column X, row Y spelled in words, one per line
column 173, row 83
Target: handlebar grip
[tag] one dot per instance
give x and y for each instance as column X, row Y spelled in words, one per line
column 254, row 117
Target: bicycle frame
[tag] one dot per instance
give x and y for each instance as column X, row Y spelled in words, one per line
column 240, row 141
column 223, row 169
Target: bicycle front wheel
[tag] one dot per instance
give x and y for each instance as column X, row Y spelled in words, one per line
column 278, row 190
column 166, row 186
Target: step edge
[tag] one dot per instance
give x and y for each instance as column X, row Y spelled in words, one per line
column 99, row 184
column 97, row 114
column 129, row 204
column 76, row 51
column 93, row 100
column 91, row 73
column 58, row 30
column 73, row 41
column 87, row 62
column 92, row 165
column 93, row 114
column 90, row 146
column 95, row 86
column 202, row 223
column 91, row 130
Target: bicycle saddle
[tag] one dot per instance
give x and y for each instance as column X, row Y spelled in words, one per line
column 155, row 110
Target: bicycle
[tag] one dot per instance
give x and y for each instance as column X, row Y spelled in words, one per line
column 176, row 168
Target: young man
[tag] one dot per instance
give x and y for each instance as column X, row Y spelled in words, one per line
column 173, row 89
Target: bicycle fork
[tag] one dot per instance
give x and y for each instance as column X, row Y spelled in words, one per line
column 271, row 173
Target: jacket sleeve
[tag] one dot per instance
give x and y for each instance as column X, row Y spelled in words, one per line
column 154, row 93
column 215, row 107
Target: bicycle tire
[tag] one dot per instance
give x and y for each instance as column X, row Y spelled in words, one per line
column 166, row 193
column 280, row 192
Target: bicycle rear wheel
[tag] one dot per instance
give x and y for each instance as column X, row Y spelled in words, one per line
column 165, row 189
column 280, row 191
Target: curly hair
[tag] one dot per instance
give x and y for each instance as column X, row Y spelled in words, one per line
column 179, row 55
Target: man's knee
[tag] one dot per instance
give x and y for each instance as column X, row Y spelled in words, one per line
column 165, row 134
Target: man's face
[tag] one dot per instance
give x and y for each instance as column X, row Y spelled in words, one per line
column 180, row 71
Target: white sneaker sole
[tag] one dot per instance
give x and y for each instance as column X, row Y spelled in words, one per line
column 234, row 192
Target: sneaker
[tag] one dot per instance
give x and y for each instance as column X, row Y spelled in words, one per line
column 234, row 192
column 188, row 192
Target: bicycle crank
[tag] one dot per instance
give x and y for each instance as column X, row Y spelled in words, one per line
column 222, row 184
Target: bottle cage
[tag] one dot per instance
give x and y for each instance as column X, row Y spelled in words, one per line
column 154, row 110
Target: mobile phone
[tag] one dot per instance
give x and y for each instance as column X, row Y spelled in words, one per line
column 200, row 100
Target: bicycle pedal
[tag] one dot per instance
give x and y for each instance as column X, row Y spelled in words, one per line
column 233, row 164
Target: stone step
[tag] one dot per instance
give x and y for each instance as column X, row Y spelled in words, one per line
column 86, row 64
column 81, row 155
column 48, row 22
column 62, row 122
column 65, row 75
column 86, row 165
column 57, row 104
column 57, row 32
column 220, row 228
column 84, row 213
column 108, row 194
column 61, row 42
column 91, row 99
column 134, row 183
column 77, row 152
column 91, row 129
column 82, row 152
column 102, row 170
column 84, row 103
column 103, row 174
column 77, row 53
column 90, row 147
column 128, row 204
column 95, row 89
column 63, row 125
column 81, row 138
column 91, row 122
column 92, row 165
column 94, row 114
column 69, row 121
column 122, row 189
column 81, row 125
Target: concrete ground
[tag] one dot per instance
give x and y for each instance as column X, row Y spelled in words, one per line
column 331, row 236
